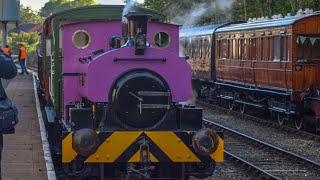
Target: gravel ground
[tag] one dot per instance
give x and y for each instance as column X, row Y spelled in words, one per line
column 229, row 170
column 291, row 142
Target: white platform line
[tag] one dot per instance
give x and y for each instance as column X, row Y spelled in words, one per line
column 45, row 144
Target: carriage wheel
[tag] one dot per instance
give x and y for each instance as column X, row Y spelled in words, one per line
column 280, row 118
column 299, row 122
column 243, row 108
column 231, row 105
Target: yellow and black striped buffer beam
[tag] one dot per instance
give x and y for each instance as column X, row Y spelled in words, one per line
column 124, row 146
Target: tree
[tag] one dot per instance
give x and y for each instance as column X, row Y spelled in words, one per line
column 29, row 16
column 159, row 5
column 54, row 6
column 29, row 40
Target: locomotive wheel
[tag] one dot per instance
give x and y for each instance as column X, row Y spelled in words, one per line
column 231, row 105
column 280, row 118
column 77, row 169
column 299, row 122
column 181, row 172
column 243, row 108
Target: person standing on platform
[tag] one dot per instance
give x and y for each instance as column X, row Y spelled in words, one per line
column 22, row 58
column 7, row 50
column 8, row 70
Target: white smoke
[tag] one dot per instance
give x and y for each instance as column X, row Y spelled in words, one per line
column 198, row 10
column 192, row 100
column 129, row 5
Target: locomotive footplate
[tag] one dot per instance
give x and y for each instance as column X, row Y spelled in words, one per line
column 125, row 147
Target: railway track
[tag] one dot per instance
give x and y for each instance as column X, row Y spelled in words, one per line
column 265, row 160
column 266, row 122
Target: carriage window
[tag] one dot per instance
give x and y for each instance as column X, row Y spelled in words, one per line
column 205, row 49
column 188, row 45
column 284, row 48
column 276, row 48
column 201, row 48
column 315, row 49
column 224, row 49
column 289, row 48
column 308, row 48
column 217, row 51
column 228, row 49
column 271, row 47
column 81, row 39
column 252, row 48
column 192, row 53
column 233, row 49
column 162, row 40
column 240, row 43
column 262, row 49
column 244, row 49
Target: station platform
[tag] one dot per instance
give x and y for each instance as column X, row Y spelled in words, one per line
column 23, row 156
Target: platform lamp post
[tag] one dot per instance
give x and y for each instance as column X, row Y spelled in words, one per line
column 9, row 14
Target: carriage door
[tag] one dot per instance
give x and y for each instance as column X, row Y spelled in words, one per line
column 285, row 64
column 50, row 66
column 308, row 61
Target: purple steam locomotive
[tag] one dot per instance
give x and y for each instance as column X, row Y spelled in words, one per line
column 119, row 115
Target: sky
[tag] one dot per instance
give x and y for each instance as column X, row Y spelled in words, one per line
column 37, row 4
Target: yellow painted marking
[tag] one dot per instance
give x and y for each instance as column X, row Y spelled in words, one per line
column 172, row 146
column 113, row 147
column 218, row 155
column 136, row 157
column 68, row 153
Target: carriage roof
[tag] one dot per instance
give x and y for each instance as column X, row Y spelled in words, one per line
column 288, row 20
column 199, row 31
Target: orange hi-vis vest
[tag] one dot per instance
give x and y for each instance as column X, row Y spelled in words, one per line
column 6, row 51
column 23, row 53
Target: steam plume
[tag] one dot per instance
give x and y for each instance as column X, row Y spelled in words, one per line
column 129, row 5
column 198, row 10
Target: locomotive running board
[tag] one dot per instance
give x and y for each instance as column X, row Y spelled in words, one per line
column 153, row 93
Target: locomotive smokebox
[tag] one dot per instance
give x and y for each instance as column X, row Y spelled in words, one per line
column 137, row 31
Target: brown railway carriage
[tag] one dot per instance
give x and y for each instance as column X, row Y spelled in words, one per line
column 270, row 54
column 272, row 64
column 198, row 44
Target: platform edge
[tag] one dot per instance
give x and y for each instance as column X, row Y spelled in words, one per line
column 45, row 144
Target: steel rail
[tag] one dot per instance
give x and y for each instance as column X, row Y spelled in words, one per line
column 210, row 123
column 305, row 134
column 251, row 166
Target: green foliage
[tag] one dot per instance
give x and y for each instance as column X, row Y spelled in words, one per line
column 29, row 16
column 159, row 5
column 29, row 40
column 239, row 10
column 54, row 6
